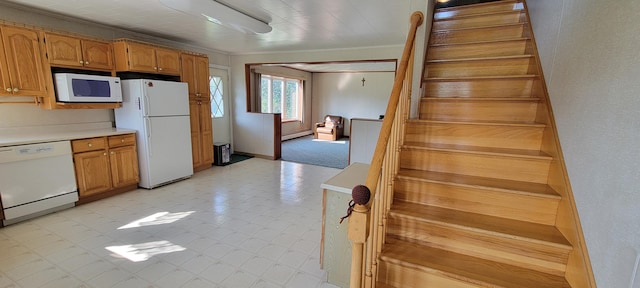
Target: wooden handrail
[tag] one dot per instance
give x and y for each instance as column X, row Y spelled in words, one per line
column 360, row 223
column 389, row 115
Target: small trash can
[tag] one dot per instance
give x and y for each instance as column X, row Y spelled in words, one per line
column 221, row 154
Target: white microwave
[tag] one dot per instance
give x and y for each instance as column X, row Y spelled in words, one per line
column 87, row 88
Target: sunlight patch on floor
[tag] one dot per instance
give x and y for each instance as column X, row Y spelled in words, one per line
column 157, row 219
column 144, row 251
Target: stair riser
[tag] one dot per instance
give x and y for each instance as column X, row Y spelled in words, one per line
column 537, row 256
column 482, row 165
column 476, row 35
column 481, row 88
column 480, row 21
column 502, row 204
column 492, row 49
column 477, row 9
column 406, row 277
column 496, row 136
column 480, row 68
column 507, row 111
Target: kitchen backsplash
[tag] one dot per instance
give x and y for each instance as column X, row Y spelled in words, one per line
column 24, row 115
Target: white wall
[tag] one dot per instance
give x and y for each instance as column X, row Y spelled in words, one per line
column 589, row 51
column 342, row 94
column 21, row 115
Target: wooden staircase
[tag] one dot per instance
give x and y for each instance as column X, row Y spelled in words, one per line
column 472, row 204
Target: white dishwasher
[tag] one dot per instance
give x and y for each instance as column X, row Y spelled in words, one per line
column 36, row 179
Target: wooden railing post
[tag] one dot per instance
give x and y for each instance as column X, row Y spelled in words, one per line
column 357, row 234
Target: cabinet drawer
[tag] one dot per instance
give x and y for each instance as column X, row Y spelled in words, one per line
column 122, row 140
column 90, row 144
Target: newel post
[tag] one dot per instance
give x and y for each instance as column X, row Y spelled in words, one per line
column 358, row 232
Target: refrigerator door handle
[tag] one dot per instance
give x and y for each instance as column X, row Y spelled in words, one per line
column 146, row 104
column 147, row 124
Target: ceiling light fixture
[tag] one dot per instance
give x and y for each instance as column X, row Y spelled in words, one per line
column 219, row 13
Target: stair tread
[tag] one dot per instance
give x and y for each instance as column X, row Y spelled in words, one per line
column 483, row 99
column 480, row 150
column 466, row 268
column 494, row 123
column 492, row 3
column 527, row 231
column 478, row 27
column 481, row 42
column 479, row 59
column 503, row 77
column 521, row 187
column 458, row 17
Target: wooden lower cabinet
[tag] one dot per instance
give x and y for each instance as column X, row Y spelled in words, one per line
column 124, row 166
column 105, row 166
column 92, row 172
column 201, row 134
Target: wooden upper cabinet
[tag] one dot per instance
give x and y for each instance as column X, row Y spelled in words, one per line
column 188, row 74
column 97, row 55
column 4, row 71
column 168, row 61
column 141, row 58
column 138, row 57
column 70, row 51
column 63, row 50
column 22, row 72
column 202, row 76
column 195, row 71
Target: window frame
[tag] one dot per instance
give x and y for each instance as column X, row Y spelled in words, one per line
column 299, row 105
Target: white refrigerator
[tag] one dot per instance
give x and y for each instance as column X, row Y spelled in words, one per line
column 159, row 111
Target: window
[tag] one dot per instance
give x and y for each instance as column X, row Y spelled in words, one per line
column 217, row 103
column 281, row 95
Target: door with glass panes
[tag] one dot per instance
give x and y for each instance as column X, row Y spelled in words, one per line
column 218, row 86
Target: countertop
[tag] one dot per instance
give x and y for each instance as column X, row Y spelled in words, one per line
column 354, row 174
column 32, row 137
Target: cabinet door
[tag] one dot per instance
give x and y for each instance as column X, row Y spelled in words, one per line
column 202, row 77
column 5, row 89
column 188, row 72
column 195, row 132
column 24, row 62
column 168, row 61
column 124, row 166
column 206, row 132
column 142, row 58
column 64, row 50
column 92, row 172
column 97, row 55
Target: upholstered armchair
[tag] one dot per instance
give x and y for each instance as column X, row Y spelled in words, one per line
column 331, row 129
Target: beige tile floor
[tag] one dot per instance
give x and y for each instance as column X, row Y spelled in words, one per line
column 255, row 223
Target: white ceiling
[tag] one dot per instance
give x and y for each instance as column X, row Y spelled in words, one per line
column 297, row 24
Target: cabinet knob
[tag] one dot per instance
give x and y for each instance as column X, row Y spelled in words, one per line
column 86, row 63
column 81, row 62
column 155, row 68
column 160, row 68
column 15, row 90
column 90, row 145
column 105, row 153
column 121, row 140
column 9, row 89
column 112, row 153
